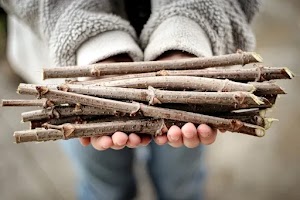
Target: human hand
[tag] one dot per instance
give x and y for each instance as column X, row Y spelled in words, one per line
column 119, row 139
column 189, row 135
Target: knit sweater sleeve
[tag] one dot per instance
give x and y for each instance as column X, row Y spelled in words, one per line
column 225, row 25
column 65, row 26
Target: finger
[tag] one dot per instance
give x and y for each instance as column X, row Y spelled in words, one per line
column 145, row 140
column 161, row 139
column 133, row 140
column 175, row 136
column 101, row 143
column 206, row 134
column 190, row 136
column 119, row 140
column 85, row 141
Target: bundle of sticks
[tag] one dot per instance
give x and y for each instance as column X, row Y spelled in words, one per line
column 149, row 97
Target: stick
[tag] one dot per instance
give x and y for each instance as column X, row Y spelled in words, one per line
column 196, row 83
column 150, row 111
column 58, row 121
column 183, row 83
column 235, row 74
column 252, row 116
column 267, row 88
column 68, row 131
column 210, row 109
column 79, row 110
column 64, row 111
column 155, row 96
column 36, row 102
column 97, row 70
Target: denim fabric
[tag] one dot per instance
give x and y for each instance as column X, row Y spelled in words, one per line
column 176, row 173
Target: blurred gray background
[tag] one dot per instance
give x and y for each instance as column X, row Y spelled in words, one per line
column 239, row 166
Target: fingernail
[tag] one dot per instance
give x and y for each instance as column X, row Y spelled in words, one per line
column 119, row 143
column 189, row 135
column 205, row 135
column 174, row 137
column 105, row 146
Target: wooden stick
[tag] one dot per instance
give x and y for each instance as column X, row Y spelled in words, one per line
column 150, row 111
column 58, row 121
column 235, row 74
column 97, row 70
column 68, row 131
column 79, row 110
column 210, row 109
column 252, row 116
column 182, row 83
column 196, row 83
column 267, row 88
column 154, row 96
column 35, row 102
column 64, row 111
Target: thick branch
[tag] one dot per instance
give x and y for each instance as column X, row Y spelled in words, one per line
column 67, row 131
column 97, row 70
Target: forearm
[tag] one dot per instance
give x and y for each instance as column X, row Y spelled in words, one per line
column 225, row 23
column 65, row 25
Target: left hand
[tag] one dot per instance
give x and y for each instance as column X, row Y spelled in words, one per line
column 189, row 135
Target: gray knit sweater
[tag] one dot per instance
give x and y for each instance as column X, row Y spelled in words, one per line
column 86, row 31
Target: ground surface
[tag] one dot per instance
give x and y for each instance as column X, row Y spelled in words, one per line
column 240, row 167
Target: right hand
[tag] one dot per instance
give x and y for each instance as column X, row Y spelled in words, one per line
column 119, row 139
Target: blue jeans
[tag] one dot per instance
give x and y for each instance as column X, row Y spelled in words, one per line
column 177, row 173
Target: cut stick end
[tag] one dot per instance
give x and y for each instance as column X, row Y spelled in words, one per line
column 24, row 136
column 257, row 57
column 260, row 132
column 256, row 99
column 18, row 90
column 20, row 86
column 2, row 104
column 289, row 73
column 44, row 74
column 269, row 122
column 263, row 112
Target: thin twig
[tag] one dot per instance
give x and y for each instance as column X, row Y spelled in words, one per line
column 267, row 88
column 32, row 102
column 234, row 74
column 64, row 111
column 68, row 131
column 182, row 82
column 155, row 96
column 98, row 70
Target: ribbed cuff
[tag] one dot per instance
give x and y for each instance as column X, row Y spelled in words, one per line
column 108, row 44
column 178, row 33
